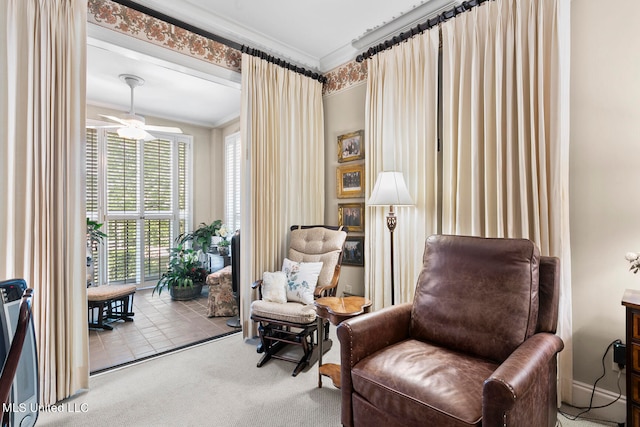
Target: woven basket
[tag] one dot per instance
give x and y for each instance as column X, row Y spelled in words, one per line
column 185, row 293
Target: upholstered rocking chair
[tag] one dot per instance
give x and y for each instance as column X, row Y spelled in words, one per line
column 285, row 310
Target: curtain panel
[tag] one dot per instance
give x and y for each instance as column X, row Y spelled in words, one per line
column 503, row 170
column 505, row 138
column 402, row 133
column 282, row 125
column 42, row 173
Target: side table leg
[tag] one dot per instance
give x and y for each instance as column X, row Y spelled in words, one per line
column 320, row 321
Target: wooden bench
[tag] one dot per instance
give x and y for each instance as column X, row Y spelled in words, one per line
column 109, row 303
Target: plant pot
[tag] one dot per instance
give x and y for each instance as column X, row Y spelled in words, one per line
column 223, row 250
column 186, row 293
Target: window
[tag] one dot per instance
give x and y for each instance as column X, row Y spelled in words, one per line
column 232, row 181
column 141, row 191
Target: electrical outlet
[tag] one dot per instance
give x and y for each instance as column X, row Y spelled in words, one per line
column 619, row 359
column 348, row 289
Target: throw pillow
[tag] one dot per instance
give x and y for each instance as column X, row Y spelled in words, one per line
column 302, row 278
column 274, row 287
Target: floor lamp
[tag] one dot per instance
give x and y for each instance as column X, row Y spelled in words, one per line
column 390, row 190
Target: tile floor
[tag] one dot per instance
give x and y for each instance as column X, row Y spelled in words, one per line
column 160, row 325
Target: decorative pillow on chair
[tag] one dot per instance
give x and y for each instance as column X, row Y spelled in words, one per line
column 302, row 278
column 274, row 287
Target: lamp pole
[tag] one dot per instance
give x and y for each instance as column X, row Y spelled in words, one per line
column 390, row 190
column 391, row 225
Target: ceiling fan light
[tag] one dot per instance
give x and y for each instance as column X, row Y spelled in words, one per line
column 132, row 133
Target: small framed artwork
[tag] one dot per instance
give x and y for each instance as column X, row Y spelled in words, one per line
column 353, row 251
column 351, row 146
column 350, row 181
column 351, row 215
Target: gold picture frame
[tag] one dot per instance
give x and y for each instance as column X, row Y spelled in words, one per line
column 351, row 146
column 351, row 215
column 350, row 181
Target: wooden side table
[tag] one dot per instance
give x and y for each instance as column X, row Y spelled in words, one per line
column 631, row 300
column 335, row 310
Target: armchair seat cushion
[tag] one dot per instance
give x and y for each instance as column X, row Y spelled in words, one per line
column 437, row 386
column 289, row 312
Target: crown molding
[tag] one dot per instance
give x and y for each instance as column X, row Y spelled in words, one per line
column 421, row 13
column 232, row 30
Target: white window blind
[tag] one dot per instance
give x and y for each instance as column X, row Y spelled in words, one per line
column 92, row 193
column 147, row 201
column 232, row 181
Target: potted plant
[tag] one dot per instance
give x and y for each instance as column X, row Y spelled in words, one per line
column 94, row 237
column 185, row 275
column 223, row 244
column 201, row 236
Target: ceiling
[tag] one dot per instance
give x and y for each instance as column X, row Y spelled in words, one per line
column 317, row 35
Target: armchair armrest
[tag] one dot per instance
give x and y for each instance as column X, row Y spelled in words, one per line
column 532, row 364
column 364, row 335
column 330, row 289
column 257, row 285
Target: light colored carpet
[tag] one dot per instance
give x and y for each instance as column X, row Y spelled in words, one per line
column 213, row 384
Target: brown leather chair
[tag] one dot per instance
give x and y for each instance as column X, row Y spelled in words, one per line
column 476, row 347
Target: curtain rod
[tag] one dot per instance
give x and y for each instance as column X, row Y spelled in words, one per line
column 178, row 23
column 420, row 28
column 284, row 64
column 224, row 41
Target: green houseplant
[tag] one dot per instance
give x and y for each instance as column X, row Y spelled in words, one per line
column 94, row 237
column 224, row 243
column 94, row 234
column 185, row 274
column 201, row 236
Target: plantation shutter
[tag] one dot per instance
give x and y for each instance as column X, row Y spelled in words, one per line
column 91, row 197
column 92, row 174
column 232, row 180
column 141, row 190
column 123, row 194
column 158, row 184
column 184, row 191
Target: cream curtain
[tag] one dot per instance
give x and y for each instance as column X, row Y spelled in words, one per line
column 42, row 208
column 401, row 135
column 505, row 133
column 282, row 122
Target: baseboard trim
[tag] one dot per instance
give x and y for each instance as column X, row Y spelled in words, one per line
column 616, row 412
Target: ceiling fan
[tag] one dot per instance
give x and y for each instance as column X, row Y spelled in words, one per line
column 132, row 125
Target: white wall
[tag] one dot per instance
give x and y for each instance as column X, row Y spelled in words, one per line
column 343, row 113
column 604, row 175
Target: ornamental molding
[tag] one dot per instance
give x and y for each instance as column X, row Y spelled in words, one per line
column 345, row 76
column 122, row 19
column 116, row 17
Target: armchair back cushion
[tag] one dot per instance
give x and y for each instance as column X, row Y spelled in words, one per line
column 317, row 244
column 476, row 295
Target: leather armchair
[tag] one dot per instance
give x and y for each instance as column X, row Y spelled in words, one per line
column 477, row 346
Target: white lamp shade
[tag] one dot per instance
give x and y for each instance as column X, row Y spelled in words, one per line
column 390, row 190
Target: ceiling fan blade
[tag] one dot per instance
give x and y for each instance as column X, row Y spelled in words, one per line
column 149, row 137
column 103, row 127
column 99, row 124
column 167, row 129
column 115, row 119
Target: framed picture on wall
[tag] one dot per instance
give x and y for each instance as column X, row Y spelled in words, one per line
column 350, row 181
column 353, row 251
column 351, row 146
column 351, row 215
